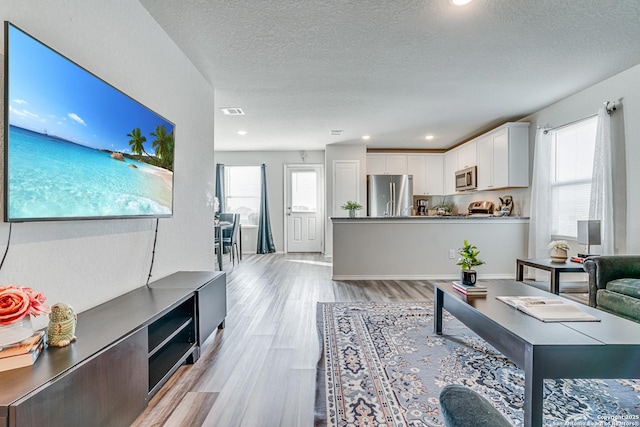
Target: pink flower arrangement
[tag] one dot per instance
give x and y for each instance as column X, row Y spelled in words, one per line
column 18, row 301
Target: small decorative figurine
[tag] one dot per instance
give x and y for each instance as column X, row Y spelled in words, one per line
column 62, row 325
column 506, row 205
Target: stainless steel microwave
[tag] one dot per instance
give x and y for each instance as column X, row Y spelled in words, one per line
column 466, row 179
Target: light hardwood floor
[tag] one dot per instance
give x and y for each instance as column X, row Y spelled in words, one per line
column 260, row 370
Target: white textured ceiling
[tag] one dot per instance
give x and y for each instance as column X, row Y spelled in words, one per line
column 394, row 69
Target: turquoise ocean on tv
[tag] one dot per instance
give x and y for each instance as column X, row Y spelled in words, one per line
column 50, row 177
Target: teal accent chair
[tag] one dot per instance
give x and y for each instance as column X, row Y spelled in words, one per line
column 614, row 284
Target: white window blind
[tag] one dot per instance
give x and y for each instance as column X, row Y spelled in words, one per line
column 571, row 172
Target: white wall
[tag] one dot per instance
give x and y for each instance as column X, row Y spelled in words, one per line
column 624, row 88
column 85, row 263
column 274, row 161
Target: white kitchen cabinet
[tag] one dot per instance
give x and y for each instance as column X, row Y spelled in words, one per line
column 467, row 155
column 427, row 171
column 503, row 157
column 376, row 164
column 435, row 174
column 386, row 164
column 450, row 160
column 396, row 165
column 416, row 166
column 484, row 176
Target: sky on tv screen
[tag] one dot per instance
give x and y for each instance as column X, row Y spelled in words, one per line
column 50, row 94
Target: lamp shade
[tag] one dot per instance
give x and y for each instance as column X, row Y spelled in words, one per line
column 589, row 232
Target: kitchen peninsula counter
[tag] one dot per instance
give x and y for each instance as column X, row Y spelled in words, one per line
column 419, row 247
column 429, row 218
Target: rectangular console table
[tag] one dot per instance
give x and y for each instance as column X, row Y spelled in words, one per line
column 126, row 349
column 606, row 349
column 554, row 268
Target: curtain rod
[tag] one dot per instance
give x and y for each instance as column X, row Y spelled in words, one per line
column 608, row 105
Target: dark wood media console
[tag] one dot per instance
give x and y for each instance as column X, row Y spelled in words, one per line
column 127, row 348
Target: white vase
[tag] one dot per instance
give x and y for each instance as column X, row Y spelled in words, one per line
column 16, row 331
column 558, row 255
column 352, row 214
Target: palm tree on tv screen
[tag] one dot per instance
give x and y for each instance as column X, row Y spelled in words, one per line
column 163, row 144
column 137, row 141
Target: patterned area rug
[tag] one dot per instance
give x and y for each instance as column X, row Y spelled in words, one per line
column 382, row 365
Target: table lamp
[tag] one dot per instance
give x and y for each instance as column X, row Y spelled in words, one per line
column 588, row 234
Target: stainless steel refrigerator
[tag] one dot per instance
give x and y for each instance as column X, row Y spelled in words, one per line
column 389, row 195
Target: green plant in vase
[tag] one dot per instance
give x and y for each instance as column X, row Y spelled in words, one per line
column 352, row 207
column 443, row 208
column 468, row 259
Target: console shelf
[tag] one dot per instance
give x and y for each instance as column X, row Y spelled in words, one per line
column 166, row 362
column 126, row 349
column 160, row 335
column 172, row 339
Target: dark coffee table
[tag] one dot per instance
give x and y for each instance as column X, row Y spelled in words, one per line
column 606, row 349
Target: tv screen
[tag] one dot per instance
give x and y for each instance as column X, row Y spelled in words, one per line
column 75, row 146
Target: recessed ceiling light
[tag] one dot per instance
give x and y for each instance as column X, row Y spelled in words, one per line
column 242, row 132
column 366, row 137
column 460, row 2
column 232, row 111
column 429, row 137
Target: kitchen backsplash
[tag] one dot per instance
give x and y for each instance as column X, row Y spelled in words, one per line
column 460, row 202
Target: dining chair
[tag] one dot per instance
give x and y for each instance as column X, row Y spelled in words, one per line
column 216, row 248
column 230, row 239
column 223, row 217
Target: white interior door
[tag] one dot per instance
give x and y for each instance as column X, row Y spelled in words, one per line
column 304, row 207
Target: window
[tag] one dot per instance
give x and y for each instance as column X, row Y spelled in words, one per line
column 304, row 191
column 571, row 172
column 242, row 192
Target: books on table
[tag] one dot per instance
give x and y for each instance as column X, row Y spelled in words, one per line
column 470, row 290
column 548, row 309
column 22, row 354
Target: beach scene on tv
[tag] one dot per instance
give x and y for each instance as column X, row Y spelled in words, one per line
column 78, row 147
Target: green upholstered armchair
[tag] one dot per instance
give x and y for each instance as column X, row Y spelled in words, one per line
column 614, row 284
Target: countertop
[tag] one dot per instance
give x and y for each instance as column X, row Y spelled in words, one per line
column 429, row 218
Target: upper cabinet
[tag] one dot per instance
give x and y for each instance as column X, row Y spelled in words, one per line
column 386, row 164
column 396, row 165
column 467, row 155
column 427, row 171
column 450, row 160
column 503, row 157
column 376, row 164
column 484, row 177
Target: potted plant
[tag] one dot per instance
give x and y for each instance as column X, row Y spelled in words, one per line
column 468, row 259
column 559, row 250
column 443, row 208
column 352, row 207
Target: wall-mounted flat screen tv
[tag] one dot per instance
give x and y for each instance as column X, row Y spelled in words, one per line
column 75, row 146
